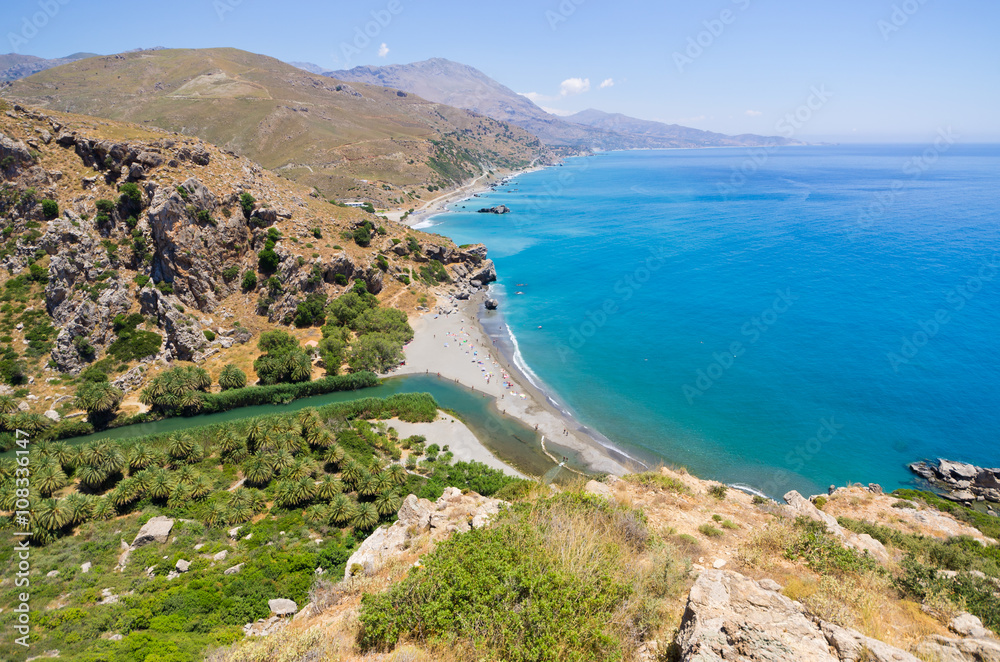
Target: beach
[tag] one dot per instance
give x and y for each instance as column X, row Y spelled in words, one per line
column 449, row 341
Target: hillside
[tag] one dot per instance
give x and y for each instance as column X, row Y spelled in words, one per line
column 14, row 66
column 355, row 141
column 203, row 249
column 463, row 86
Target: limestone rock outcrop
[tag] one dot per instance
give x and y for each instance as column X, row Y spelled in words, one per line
column 157, row 529
column 453, row 512
column 861, row 542
column 731, row 617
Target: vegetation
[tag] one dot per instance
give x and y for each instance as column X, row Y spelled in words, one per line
column 232, row 377
column 100, row 400
column 283, row 361
column 50, row 209
column 530, row 588
column 133, row 344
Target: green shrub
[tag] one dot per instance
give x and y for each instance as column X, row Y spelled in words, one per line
column 142, row 280
column 823, row 553
column 507, row 590
column 709, row 531
column 165, row 287
column 718, row 491
column 312, row 311
column 209, row 335
column 340, row 279
column 50, row 208
column 362, row 236
column 231, row 272
column 268, row 260
column 246, row 203
column 819, row 502
column 131, row 197
column 249, row 280
column 104, row 206
column 654, row 479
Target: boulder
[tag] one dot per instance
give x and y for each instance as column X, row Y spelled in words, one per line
column 85, row 567
column 182, row 565
column 282, row 606
column 454, row 511
column 968, row 625
column 52, row 415
column 730, row 617
column 498, row 209
column 492, row 304
column 853, row 646
column 600, row 489
column 220, row 556
column 156, row 529
column 946, row 649
column 233, row 570
column 485, row 273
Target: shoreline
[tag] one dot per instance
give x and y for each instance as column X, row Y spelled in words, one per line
column 450, row 341
column 439, row 205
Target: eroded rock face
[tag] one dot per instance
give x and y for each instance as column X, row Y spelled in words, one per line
column 965, row 482
column 731, row 617
column 453, row 512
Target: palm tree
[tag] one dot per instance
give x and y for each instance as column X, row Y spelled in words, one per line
column 257, row 470
column 367, row 486
column 50, row 478
column 217, row 515
column 124, row 493
column 180, row 496
column 302, row 467
column 99, row 399
column 397, row 473
column 387, row 503
column 91, row 476
column 351, row 472
column 284, row 495
column 318, row 515
column 305, row 489
column 8, row 405
column 191, row 400
column 8, row 496
column 139, row 456
column 79, row 507
column 334, row 455
column 329, row 487
column 256, row 431
column 229, row 442
column 309, row 419
column 180, row 446
column 110, row 456
column 365, row 517
column 186, row 475
column 51, row 514
column 240, row 454
column 104, row 509
column 201, row 487
column 238, row 513
column 282, row 460
column 232, row 377
column 321, row 438
column 341, row 509
column 198, row 378
column 383, row 482
column 159, row 484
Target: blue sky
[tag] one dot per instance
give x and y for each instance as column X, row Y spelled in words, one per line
column 886, row 70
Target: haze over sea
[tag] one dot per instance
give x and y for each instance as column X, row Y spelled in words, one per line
column 829, row 315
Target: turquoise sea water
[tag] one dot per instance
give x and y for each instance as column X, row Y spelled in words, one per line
column 827, row 314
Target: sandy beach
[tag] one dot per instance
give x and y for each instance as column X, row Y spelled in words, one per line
column 440, row 204
column 454, row 345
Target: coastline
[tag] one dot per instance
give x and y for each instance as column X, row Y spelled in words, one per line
column 450, row 341
column 439, row 205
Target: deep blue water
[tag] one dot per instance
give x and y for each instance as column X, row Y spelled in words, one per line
column 640, row 272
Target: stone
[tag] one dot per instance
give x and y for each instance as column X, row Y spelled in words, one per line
column 52, row 415
column 946, row 649
column 769, row 585
column 491, row 304
column 52, row 573
column 156, row 529
column 853, row 646
column 220, row 556
column 233, row 570
column 719, row 564
column 968, row 625
column 729, row 615
column 233, row 532
column 498, row 209
column 85, row 568
column 182, row 565
column 282, row 606
column 599, row 489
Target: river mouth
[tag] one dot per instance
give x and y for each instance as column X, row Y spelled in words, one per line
column 508, row 438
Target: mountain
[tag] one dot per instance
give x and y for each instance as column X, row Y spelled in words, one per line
column 348, row 141
column 675, row 134
column 14, row 66
column 309, row 66
column 463, row 86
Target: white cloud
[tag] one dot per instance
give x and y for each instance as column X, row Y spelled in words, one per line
column 383, row 50
column 754, row 113
column 573, row 86
column 608, row 82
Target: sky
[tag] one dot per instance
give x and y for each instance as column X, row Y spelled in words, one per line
column 843, row 70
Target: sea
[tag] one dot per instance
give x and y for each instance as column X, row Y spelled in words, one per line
column 774, row 318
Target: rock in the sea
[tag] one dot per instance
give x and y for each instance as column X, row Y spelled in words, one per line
column 965, row 482
column 156, row 529
column 498, row 209
column 492, row 304
column 282, row 606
